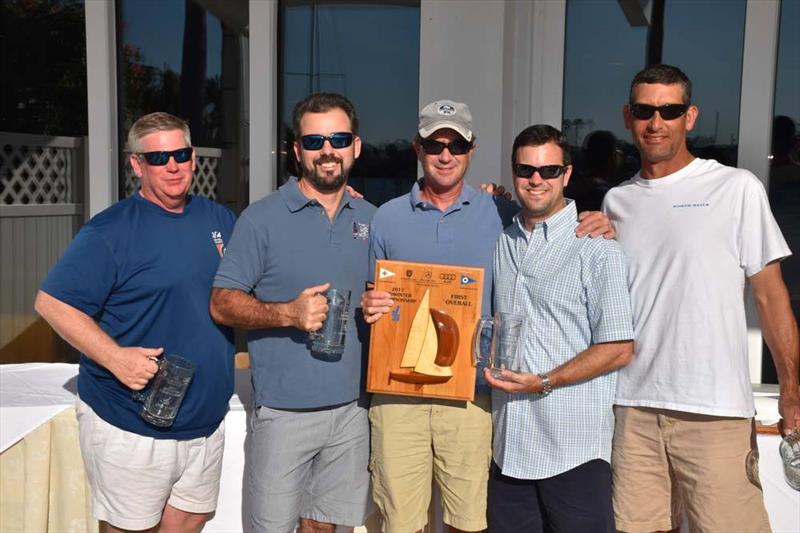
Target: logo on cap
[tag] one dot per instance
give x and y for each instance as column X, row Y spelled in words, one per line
column 447, row 109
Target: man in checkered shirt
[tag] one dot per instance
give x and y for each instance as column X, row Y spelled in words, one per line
column 553, row 418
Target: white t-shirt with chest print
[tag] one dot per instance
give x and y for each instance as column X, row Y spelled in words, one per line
column 691, row 239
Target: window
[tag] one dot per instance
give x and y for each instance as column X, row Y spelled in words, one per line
column 175, row 56
column 784, row 177
column 704, row 38
column 368, row 52
column 43, row 128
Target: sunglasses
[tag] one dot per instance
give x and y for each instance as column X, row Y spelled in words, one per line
column 667, row 111
column 340, row 139
column 457, row 147
column 159, row 159
column 547, row 172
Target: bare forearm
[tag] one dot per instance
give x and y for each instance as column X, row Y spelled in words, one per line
column 779, row 327
column 77, row 328
column 596, row 360
column 778, row 324
column 238, row 309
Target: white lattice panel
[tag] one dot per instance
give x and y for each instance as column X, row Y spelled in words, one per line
column 35, row 175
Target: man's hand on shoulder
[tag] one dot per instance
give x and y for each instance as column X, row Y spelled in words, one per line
column 374, row 304
column 134, row 366
column 594, row 224
column 496, row 190
column 353, row 193
column 307, row 311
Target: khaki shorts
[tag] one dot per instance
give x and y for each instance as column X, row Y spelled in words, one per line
column 668, row 462
column 415, row 440
column 133, row 477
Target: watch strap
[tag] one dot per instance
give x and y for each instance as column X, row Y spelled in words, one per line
column 547, row 387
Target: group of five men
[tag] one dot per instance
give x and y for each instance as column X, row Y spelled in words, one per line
column 671, row 432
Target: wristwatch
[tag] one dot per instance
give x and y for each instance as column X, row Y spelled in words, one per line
column 547, row 388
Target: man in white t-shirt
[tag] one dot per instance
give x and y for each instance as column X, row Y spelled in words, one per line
column 695, row 233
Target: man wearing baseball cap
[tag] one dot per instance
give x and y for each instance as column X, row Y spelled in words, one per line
column 442, row 220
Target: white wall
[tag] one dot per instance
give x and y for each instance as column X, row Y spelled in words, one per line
column 461, row 59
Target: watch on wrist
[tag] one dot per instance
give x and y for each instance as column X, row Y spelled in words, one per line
column 547, row 387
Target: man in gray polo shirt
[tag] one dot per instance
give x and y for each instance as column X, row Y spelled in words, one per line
column 310, row 434
column 414, row 440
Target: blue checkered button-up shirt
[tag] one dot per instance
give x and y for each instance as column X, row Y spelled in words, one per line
column 573, row 293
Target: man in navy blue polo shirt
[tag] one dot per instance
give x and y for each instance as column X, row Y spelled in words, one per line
column 134, row 284
column 310, row 434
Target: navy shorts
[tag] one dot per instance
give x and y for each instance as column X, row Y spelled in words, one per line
column 576, row 500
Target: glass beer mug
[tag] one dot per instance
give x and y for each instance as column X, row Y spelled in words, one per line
column 790, row 455
column 496, row 342
column 329, row 339
column 162, row 398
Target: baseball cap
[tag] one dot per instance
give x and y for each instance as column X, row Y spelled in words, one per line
column 445, row 114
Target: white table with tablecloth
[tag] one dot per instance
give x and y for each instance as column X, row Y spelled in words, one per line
column 43, row 487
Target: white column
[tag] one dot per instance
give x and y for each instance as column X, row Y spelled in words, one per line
column 102, row 181
column 263, row 67
column 461, row 58
column 533, row 70
column 505, row 60
column 755, row 123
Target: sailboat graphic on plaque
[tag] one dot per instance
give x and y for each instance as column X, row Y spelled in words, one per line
column 423, row 346
column 431, row 346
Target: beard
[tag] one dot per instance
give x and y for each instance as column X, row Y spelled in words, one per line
column 325, row 182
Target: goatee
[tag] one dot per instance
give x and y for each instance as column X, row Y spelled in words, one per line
column 326, row 184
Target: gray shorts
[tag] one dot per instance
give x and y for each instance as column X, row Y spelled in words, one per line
column 309, row 464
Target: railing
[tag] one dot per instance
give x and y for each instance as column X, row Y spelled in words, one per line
column 37, row 170
column 41, row 208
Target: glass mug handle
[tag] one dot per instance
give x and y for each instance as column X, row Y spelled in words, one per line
column 477, row 356
column 314, row 336
column 141, row 395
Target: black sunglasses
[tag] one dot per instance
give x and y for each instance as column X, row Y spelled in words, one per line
column 340, row 139
column 159, row 159
column 667, row 111
column 547, row 172
column 457, row 147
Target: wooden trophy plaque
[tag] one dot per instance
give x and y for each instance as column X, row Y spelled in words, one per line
column 423, row 346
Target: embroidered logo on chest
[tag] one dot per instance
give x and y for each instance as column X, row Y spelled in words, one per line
column 216, row 238
column 360, row 231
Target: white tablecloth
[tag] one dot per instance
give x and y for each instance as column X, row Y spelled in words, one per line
column 31, row 394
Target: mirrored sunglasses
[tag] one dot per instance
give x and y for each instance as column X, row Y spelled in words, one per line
column 457, row 147
column 340, row 139
column 159, row 159
column 667, row 111
column 547, row 172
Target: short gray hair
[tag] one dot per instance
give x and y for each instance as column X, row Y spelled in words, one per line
column 152, row 123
